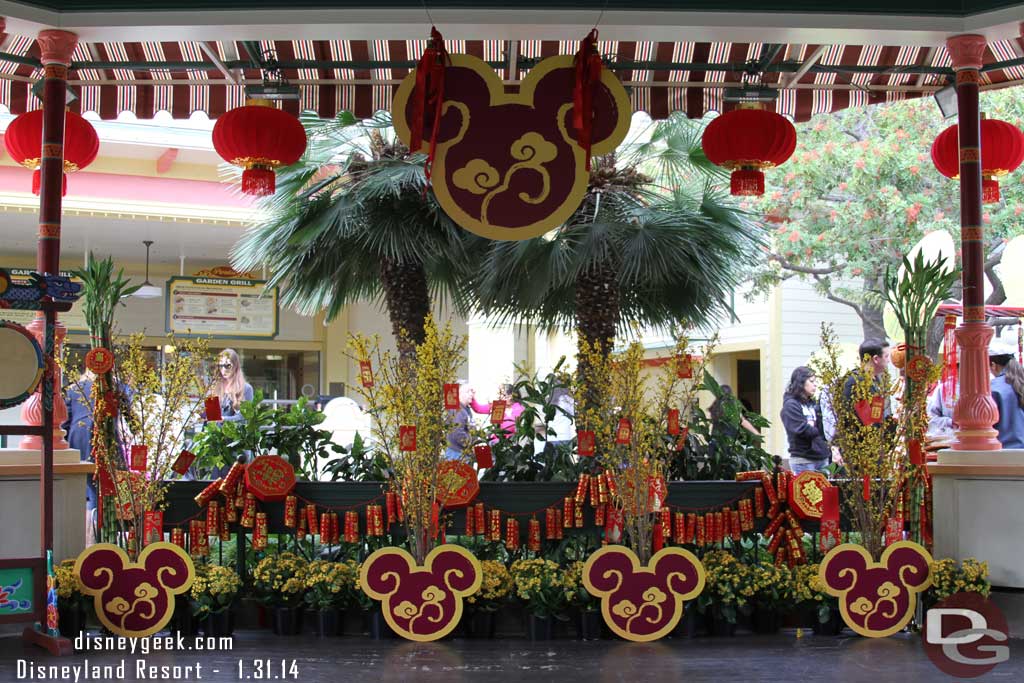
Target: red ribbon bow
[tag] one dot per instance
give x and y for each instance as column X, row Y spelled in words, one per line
column 588, row 75
column 429, row 90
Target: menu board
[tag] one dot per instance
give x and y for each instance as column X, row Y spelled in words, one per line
column 74, row 319
column 221, row 307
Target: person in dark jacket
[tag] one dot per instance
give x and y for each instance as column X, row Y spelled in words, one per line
column 1007, row 392
column 801, row 416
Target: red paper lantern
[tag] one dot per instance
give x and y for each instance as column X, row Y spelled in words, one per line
column 24, row 142
column 259, row 138
column 1002, row 151
column 746, row 141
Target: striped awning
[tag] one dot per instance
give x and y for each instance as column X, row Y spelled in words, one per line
column 360, row 76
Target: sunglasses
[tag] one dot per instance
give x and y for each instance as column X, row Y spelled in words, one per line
column 224, row 366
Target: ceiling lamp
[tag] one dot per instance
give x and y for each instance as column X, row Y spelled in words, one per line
column 260, row 138
column 24, row 141
column 747, row 140
column 1002, row 151
column 148, row 290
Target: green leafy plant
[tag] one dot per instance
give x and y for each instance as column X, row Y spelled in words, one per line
column 296, row 437
column 220, row 443
column 359, row 462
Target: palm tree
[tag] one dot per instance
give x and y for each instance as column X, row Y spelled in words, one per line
column 654, row 243
column 354, row 220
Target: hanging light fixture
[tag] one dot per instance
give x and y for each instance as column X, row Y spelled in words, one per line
column 1002, row 151
column 148, row 290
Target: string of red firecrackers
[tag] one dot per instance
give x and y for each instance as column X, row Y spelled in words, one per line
column 784, row 533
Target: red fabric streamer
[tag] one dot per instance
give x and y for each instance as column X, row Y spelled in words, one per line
column 867, row 487
column 429, row 90
column 588, row 75
column 949, row 362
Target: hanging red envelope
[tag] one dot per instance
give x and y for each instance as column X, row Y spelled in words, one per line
column 673, row 421
column 366, row 373
column 871, row 411
column 106, row 482
column 484, row 457
column 624, row 432
column 684, row 367
column 407, row 438
column 109, row 404
column 681, row 442
column 137, row 458
column 915, row 452
column 585, row 443
column 183, row 462
column 153, row 527
column 451, row 396
column 213, row 413
column 497, row 412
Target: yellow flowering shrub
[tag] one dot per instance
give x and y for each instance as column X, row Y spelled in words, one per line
column 494, row 588
column 539, row 584
column 280, row 580
column 948, row 578
column 770, row 586
column 330, row 585
column 214, row 589
column 576, row 593
column 69, row 590
column 729, row 585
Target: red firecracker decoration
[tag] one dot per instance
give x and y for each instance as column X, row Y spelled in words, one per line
column 311, row 520
column 577, row 515
column 746, row 141
column 679, row 530
column 581, row 488
column 390, row 505
column 231, row 481
column 249, row 511
column 691, row 528
column 213, row 517
column 259, row 532
column 1002, row 151
column 428, row 94
column 568, row 510
column 204, row 496
column 351, row 526
column 479, row 520
column 494, row 531
column 512, row 534
column 260, row 138
column 178, row 537
column 658, row 533
column 291, row 508
column 470, row 527
column 24, row 142
column 599, row 514
column 533, row 542
column 153, row 527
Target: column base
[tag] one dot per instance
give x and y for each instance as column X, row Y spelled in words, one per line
column 976, row 440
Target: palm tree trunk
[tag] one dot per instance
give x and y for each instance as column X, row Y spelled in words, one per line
column 408, row 302
column 597, row 316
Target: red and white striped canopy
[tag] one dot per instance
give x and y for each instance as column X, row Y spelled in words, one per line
column 838, row 79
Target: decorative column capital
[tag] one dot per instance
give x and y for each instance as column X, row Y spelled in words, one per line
column 56, row 46
column 967, row 51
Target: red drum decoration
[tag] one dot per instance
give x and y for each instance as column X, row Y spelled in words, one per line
column 24, row 142
column 259, row 138
column 270, row 478
column 1002, row 151
column 746, row 141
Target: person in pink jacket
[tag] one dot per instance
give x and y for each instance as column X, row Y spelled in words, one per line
column 513, row 409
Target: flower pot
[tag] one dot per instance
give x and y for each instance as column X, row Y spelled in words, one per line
column 717, row 625
column 184, row 621
column 832, row 627
column 539, row 628
column 327, row 623
column 286, row 621
column 765, row 620
column 71, row 619
column 219, row 624
column 687, row 627
column 479, row 624
column 589, row 625
column 377, row 625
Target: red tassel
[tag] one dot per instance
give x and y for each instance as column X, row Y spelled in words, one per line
column 258, row 181
column 429, row 90
column 989, row 191
column 37, row 183
column 588, row 75
column 746, row 183
column 867, row 487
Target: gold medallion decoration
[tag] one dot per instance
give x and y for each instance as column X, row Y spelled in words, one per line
column 643, row 603
column 509, row 166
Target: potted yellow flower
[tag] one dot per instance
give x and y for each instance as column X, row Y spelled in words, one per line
column 71, row 602
column 809, row 593
column 373, row 616
column 772, row 589
column 279, row 582
column 540, row 586
column 212, row 598
column 478, row 620
column 329, row 588
column 948, row 578
column 728, row 588
column 589, row 620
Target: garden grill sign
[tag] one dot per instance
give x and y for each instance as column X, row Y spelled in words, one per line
column 511, row 166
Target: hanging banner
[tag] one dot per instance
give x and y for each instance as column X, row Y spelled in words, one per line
column 224, row 308
column 510, row 166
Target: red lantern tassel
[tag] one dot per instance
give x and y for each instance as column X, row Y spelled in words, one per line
column 989, row 191
column 746, row 182
column 258, row 181
column 389, row 501
column 588, row 75
column 429, row 90
column 36, row 184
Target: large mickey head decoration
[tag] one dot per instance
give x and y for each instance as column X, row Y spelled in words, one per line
column 421, row 603
column 509, row 166
column 643, row 603
column 134, row 599
column 876, row 599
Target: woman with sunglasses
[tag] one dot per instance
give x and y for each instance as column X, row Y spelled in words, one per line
column 230, row 387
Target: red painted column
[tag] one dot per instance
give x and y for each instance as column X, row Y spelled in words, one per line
column 975, row 412
column 56, row 48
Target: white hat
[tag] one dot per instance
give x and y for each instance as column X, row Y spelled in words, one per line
column 1001, row 347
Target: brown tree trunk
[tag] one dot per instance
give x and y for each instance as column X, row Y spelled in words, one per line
column 597, row 316
column 408, row 302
